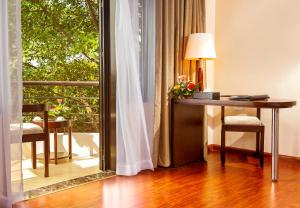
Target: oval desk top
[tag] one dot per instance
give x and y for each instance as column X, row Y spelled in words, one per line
column 224, row 101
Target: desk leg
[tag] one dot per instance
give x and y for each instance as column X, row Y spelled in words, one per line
column 274, row 143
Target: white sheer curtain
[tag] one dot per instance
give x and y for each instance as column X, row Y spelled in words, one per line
column 147, row 66
column 134, row 126
column 10, row 102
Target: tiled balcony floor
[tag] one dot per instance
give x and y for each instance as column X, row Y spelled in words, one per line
column 65, row 170
column 85, row 161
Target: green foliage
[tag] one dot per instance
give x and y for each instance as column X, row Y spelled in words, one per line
column 60, row 43
column 60, row 110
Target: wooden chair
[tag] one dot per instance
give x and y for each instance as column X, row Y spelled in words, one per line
column 33, row 133
column 243, row 124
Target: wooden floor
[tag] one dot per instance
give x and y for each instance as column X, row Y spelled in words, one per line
column 240, row 184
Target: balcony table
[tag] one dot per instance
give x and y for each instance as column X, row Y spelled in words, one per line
column 57, row 126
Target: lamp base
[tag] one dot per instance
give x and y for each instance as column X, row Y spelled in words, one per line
column 207, row 95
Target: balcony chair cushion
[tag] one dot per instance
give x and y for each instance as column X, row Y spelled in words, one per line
column 28, row 128
column 242, row 120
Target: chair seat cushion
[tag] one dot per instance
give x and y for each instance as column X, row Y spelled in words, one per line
column 28, row 128
column 242, row 120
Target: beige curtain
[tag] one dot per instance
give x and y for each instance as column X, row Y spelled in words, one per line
column 175, row 20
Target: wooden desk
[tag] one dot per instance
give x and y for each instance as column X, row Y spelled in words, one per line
column 274, row 104
column 186, row 134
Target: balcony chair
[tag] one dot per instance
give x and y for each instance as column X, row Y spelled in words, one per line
column 243, row 123
column 33, row 133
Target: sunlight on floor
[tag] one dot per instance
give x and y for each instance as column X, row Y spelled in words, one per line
column 65, row 170
column 85, row 161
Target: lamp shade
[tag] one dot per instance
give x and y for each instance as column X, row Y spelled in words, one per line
column 200, row 46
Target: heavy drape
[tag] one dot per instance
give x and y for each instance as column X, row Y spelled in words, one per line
column 134, row 140
column 10, row 103
column 175, row 20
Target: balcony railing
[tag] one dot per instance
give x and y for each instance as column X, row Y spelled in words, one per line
column 74, row 100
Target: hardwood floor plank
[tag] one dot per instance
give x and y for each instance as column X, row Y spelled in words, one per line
column 238, row 184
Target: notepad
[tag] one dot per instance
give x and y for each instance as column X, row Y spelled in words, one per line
column 249, row 97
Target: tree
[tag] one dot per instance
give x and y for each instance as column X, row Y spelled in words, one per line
column 60, row 43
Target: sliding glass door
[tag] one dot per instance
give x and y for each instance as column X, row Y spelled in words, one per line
column 66, row 63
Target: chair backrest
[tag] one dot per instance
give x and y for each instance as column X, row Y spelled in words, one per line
column 29, row 108
column 223, row 113
column 32, row 108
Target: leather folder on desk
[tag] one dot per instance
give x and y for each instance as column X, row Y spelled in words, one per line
column 249, row 97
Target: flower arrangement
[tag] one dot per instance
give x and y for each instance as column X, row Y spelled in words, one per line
column 184, row 88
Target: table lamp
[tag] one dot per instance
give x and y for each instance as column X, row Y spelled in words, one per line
column 200, row 46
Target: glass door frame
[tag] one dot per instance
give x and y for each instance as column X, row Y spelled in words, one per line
column 107, row 84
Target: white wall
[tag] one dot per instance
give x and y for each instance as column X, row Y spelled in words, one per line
column 258, row 51
column 210, row 6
